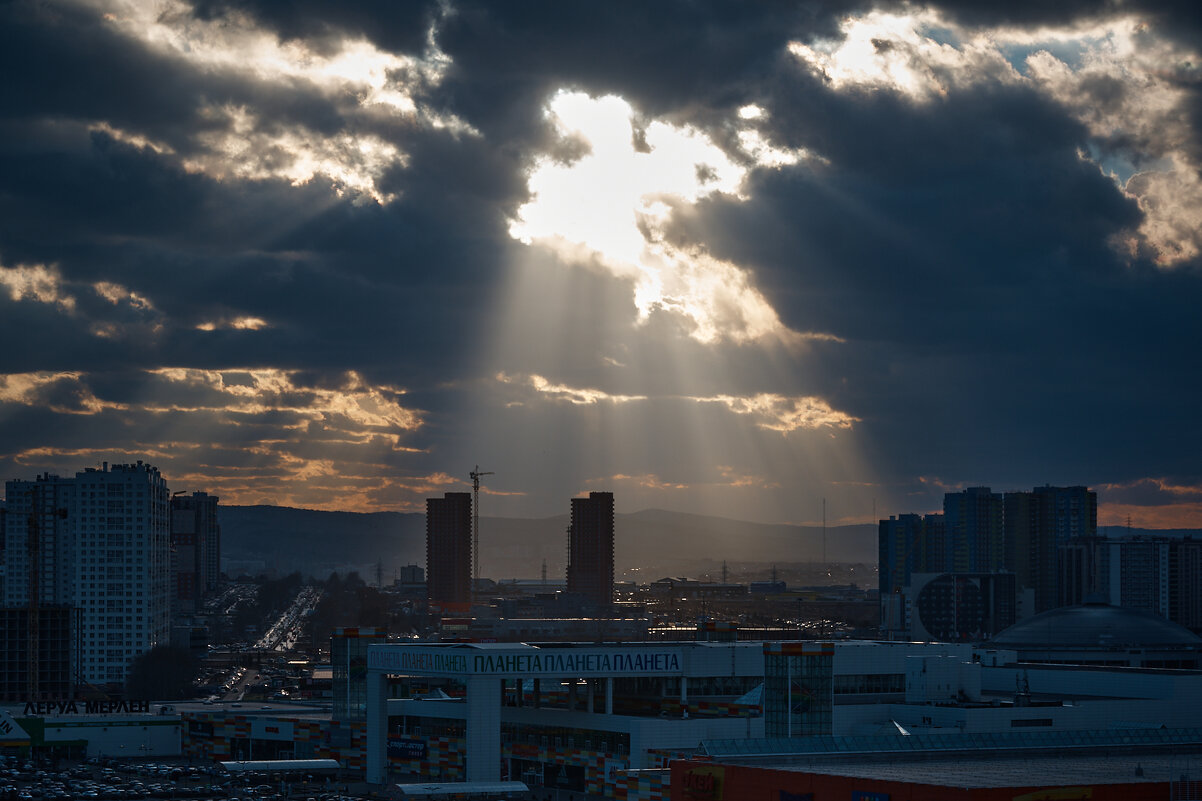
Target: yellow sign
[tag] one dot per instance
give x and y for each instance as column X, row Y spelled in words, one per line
column 704, row 784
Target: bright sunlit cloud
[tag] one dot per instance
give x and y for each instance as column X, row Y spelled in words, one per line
column 244, row 142
column 61, row 393
column 38, row 283
column 784, row 414
column 770, row 411
column 574, row 395
column 118, row 295
column 367, row 410
column 236, row 324
column 613, row 201
column 250, row 436
column 896, row 52
column 923, row 56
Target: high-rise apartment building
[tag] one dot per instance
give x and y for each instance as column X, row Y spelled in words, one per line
column 1158, row 574
column 1083, row 565
column 449, row 549
column 898, row 539
column 984, row 533
column 932, row 549
column 1037, row 523
column 591, row 548
column 974, row 530
column 38, row 532
column 908, row 544
column 1186, row 608
column 101, row 546
column 195, row 550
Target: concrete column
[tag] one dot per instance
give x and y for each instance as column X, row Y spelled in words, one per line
column 572, row 695
column 483, row 729
column 538, row 694
column 684, row 690
column 588, row 689
column 609, row 695
column 377, row 727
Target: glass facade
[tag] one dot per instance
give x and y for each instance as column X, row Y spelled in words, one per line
column 870, row 684
column 348, row 661
column 798, row 688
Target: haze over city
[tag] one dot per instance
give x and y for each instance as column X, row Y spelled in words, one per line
column 734, row 259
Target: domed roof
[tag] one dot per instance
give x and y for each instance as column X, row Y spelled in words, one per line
column 1096, row 626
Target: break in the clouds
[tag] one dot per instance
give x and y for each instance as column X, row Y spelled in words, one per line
column 725, row 258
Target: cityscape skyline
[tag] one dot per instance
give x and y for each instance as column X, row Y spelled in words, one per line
column 760, row 261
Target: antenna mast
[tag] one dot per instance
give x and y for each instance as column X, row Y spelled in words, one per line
column 475, row 475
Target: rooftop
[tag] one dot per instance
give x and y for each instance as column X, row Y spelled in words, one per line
column 808, row 749
column 1026, row 771
column 1096, row 625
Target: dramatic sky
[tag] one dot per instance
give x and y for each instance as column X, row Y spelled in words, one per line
column 731, row 258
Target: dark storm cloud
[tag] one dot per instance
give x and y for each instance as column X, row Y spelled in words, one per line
column 326, row 273
column 1175, row 19
column 1155, row 492
column 960, row 248
column 399, row 27
column 1027, row 13
column 70, row 64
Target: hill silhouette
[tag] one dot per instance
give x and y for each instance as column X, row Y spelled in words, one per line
column 647, row 545
column 655, row 541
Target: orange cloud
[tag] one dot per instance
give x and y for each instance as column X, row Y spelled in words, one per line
column 1175, row 515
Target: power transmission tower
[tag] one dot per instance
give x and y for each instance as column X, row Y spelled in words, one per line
column 476, row 474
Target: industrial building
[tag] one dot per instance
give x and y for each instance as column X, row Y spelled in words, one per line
column 1108, row 765
column 579, row 716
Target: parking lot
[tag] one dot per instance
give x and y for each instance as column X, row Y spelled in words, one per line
column 26, row 780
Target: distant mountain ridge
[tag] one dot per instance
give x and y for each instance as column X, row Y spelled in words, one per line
column 656, row 541
column 257, row 538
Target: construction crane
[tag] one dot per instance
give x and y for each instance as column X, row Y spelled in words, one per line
column 33, row 546
column 476, row 474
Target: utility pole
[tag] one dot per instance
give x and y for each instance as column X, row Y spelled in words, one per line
column 476, row 474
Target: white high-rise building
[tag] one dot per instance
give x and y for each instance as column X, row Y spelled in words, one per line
column 109, row 532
